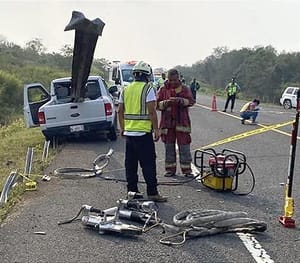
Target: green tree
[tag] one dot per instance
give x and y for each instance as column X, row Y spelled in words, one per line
column 36, row 46
column 66, row 51
column 11, row 97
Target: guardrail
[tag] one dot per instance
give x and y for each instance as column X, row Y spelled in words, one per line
column 14, row 177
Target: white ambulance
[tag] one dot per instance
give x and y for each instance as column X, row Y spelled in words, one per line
column 120, row 74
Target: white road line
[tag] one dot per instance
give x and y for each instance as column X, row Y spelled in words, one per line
column 255, row 249
column 252, row 245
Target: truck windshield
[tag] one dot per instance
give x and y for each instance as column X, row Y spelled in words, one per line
column 63, row 90
column 127, row 75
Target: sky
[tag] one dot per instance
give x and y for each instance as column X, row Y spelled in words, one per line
column 164, row 33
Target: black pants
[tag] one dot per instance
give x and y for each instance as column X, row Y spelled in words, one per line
column 194, row 92
column 141, row 149
column 232, row 99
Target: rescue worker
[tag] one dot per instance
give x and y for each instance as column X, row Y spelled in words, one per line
column 161, row 80
column 250, row 111
column 174, row 100
column 232, row 89
column 138, row 120
column 194, row 86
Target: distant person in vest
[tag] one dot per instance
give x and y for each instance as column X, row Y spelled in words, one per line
column 250, row 111
column 138, row 120
column 194, row 86
column 174, row 100
column 232, row 89
column 161, row 80
column 182, row 79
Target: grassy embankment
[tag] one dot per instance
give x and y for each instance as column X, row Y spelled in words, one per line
column 15, row 139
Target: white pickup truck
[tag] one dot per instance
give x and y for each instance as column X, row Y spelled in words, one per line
column 58, row 116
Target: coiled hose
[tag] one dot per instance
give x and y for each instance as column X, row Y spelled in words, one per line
column 199, row 223
column 75, row 172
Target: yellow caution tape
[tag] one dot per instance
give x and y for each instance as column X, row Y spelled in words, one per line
column 247, row 134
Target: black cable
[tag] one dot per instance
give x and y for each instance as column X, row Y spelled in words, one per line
column 98, row 170
column 172, row 183
column 253, row 182
column 69, row 172
column 169, row 183
column 72, row 219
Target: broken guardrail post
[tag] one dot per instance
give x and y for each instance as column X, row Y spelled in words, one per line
column 28, row 161
column 86, row 36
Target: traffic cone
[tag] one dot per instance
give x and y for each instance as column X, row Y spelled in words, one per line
column 214, row 104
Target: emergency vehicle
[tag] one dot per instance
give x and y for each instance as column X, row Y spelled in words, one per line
column 120, row 74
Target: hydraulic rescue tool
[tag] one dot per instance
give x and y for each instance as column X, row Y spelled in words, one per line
column 141, row 211
column 286, row 219
column 223, row 169
column 108, row 220
column 105, row 221
column 143, row 206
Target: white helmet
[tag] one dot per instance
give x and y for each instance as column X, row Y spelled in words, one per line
column 142, row 67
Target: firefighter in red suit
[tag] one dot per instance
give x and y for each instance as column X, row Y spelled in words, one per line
column 174, row 100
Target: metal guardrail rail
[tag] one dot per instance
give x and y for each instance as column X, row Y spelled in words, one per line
column 28, row 161
column 45, row 151
column 13, row 178
column 10, row 181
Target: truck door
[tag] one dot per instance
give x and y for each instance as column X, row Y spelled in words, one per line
column 35, row 95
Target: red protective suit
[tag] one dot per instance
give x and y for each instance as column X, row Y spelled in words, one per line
column 175, row 125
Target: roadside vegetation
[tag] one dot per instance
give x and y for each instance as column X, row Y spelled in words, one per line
column 261, row 72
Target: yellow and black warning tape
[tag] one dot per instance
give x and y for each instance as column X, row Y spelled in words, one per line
column 247, row 134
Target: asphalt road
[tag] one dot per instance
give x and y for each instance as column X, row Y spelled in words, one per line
column 267, row 154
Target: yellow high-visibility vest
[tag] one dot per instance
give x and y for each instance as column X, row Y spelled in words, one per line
column 161, row 81
column 232, row 89
column 136, row 117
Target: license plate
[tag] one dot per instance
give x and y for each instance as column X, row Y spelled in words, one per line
column 76, row 128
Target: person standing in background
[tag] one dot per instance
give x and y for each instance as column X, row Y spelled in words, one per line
column 194, row 86
column 161, row 80
column 232, row 89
